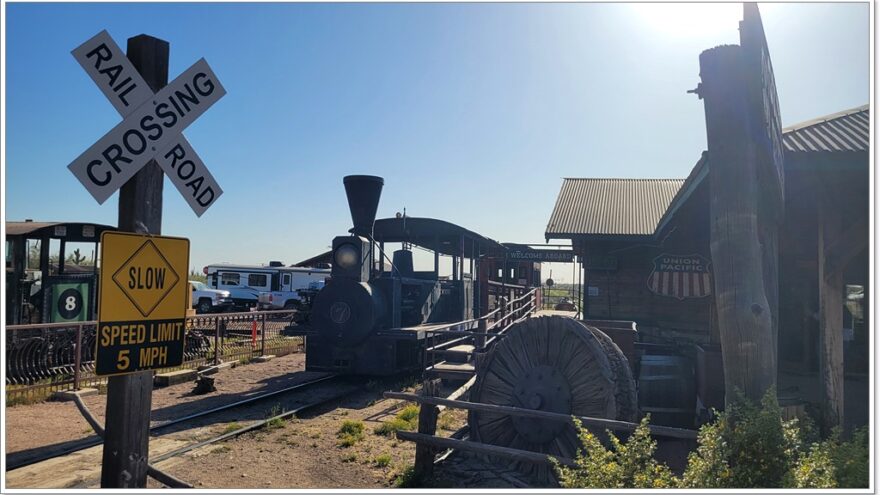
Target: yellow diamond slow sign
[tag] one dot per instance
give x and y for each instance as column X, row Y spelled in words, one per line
column 142, row 302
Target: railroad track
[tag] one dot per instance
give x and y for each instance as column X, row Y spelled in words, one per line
column 14, row 463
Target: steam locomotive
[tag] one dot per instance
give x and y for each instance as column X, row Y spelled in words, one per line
column 369, row 321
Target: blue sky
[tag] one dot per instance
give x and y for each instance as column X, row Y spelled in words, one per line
column 458, row 106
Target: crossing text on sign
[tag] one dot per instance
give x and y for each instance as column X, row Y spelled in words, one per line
column 133, row 142
column 153, row 125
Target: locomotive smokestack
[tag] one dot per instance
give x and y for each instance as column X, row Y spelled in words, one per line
column 363, row 193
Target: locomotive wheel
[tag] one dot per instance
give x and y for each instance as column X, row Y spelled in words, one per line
column 554, row 364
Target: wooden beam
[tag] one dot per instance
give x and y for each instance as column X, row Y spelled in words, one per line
column 482, row 448
column 460, row 391
column 830, row 319
column 424, row 461
column 129, row 397
column 842, row 248
column 611, row 424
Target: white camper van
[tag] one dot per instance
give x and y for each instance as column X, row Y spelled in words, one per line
column 277, row 283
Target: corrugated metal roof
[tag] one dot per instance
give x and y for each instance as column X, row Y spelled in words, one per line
column 843, row 131
column 611, row 206
column 635, row 206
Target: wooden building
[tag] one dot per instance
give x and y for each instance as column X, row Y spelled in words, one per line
column 644, row 246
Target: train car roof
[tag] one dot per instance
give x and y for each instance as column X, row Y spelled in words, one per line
column 436, row 235
column 73, row 231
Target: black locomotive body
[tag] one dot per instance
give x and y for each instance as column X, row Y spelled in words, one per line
column 371, row 321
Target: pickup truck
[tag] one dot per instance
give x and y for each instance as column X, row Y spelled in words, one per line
column 295, row 299
column 207, row 300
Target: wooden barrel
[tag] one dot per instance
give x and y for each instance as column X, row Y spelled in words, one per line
column 667, row 390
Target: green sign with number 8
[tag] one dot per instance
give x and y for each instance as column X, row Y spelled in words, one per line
column 70, row 301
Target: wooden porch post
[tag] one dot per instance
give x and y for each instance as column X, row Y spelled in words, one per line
column 830, row 318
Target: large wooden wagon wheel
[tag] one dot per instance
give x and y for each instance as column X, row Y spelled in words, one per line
column 555, row 364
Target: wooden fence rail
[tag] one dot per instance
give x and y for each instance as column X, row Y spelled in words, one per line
column 611, row 424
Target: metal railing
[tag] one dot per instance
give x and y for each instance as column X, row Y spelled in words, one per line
column 44, row 358
column 479, row 332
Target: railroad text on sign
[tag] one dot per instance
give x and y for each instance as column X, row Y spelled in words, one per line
column 151, row 128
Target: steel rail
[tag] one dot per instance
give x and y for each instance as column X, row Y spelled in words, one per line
column 248, row 428
column 98, row 441
column 241, row 402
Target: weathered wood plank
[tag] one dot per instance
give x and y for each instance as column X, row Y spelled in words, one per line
column 481, row 448
column 830, row 319
column 129, row 397
column 424, row 462
column 611, row 424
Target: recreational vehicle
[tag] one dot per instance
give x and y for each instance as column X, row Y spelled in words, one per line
column 279, row 284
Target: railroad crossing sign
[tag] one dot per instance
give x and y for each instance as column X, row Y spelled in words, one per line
column 151, row 128
column 142, row 303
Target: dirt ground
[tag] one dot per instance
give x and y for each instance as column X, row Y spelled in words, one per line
column 48, row 423
column 304, row 452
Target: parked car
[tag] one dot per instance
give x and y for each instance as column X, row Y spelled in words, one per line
column 298, row 298
column 566, row 305
column 207, row 300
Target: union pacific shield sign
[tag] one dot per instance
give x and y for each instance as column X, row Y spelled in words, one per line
column 681, row 276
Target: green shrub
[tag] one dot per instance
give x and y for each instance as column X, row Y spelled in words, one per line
column 407, row 420
column 851, row 468
column 758, row 446
column 834, row 464
column 446, row 421
column 813, row 469
column 747, row 446
column 409, row 413
column 389, row 427
column 625, row 465
column 707, row 466
column 271, row 414
column 231, row 427
column 408, row 478
column 383, row 460
column 350, row 433
column 752, row 447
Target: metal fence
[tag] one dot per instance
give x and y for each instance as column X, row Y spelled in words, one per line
column 479, row 332
column 44, row 358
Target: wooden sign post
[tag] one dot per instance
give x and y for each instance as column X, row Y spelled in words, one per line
column 129, row 397
column 131, row 157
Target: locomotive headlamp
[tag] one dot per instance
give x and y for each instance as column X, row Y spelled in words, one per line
column 346, row 256
column 351, row 258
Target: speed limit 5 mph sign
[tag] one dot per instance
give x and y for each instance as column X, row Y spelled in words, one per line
column 142, row 303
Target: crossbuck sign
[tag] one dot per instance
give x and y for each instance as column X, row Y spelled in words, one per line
column 151, row 128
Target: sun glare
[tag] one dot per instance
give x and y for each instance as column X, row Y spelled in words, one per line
column 689, row 20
